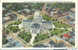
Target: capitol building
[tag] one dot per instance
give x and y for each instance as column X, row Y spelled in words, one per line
column 37, row 24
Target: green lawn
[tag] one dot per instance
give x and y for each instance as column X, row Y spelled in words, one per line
column 58, row 31
column 47, row 18
column 60, row 25
column 40, row 37
column 13, row 28
column 25, row 36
